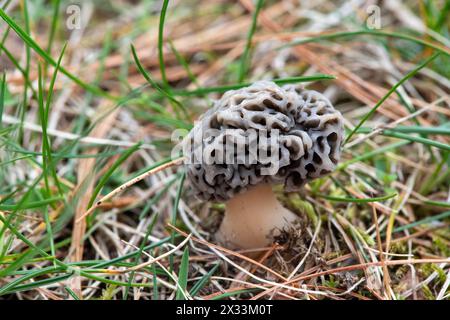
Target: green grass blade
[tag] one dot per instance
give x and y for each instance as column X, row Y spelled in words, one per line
column 438, row 203
column 184, row 63
column 141, row 249
column 245, row 56
column 16, row 264
column 371, row 154
column 441, row 130
column 156, row 198
column 437, row 217
column 23, row 108
column 110, row 171
column 183, row 275
column 153, row 83
column 162, row 66
column 71, row 293
column 30, row 205
column 54, row 25
column 2, row 97
column 14, row 160
column 18, row 67
column 131, row 254
column 53, row 80
column 357, row 200
column 443, row 16
column 221, row 89
column 30, row 275
column 173, row 219
column 424, row 141
column 375, row 33
column 203, row 281
column 45, row 147
column 235, row 293
column 49, row 229
column 401, row 133
column 84, row 273
column 44, row 124
column 392, row 90
column 21, row 205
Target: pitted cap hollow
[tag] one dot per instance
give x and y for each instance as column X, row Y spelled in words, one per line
column 308, row 131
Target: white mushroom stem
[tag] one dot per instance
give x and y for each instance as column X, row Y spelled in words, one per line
column 251, row 217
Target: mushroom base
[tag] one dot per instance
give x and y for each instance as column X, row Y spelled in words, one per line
column 251, row 217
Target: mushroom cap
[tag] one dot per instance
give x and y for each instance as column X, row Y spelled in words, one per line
column 305, row 129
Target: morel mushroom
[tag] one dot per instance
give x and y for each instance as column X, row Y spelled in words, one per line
column 253, row 138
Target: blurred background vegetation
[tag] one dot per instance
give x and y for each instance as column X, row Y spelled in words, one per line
column 91, row 91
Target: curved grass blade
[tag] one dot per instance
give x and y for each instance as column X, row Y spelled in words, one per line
column 16, row 264
column 71, row 293
column 202, row 282
column 183, row 275
column 162, row 66
column 424, row 141
column 2, row 97
column 371, row 154
column 279, row 81
column 175, row 214
column 44, row 111
column 392, row 90
column 235, row 293
column 165, row 93
column 184, row 63
column 437, row 203
column 30, row 205
column 54, row 24
column 441, row 216
column 110, row 171
column 371, row 33
column 441, row 130
column 18, row 67
column 245, row 55
column 357, row 200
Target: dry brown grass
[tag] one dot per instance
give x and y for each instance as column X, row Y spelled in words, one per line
column 339, row 249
